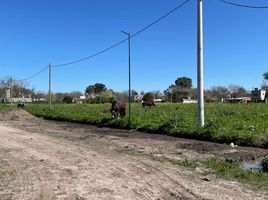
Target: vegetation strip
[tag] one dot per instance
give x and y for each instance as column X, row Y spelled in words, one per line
column 226, row 170
column 241, row 124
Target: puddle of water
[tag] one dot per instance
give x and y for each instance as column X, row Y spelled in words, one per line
column 252, row 165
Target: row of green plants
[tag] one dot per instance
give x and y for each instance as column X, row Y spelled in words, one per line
column 242, row 124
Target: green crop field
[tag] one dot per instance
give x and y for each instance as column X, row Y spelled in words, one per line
column 2, row 106
column 242, row 124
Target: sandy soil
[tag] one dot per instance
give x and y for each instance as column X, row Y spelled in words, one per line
column 58, row 160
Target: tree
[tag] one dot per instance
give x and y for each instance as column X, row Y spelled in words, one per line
column 134, row 92
column 75, row 94
column 157, row 94
column 19, row 88
column 264, row 84
column 265, row 76
column 99, row 87
column 5, row 82
column 149, row 96
column 67, row 99
column 184, row 82
column 236, row 91
column 90, row 89
column 181, row 89
column 38, row 95
column 170, row 92
column 219, row 92
column 106, row 97
column 123, row 95
column 93, row 90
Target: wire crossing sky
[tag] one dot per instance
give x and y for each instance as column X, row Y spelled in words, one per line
column 122, row 41
column 53, row 31
column 243, row 5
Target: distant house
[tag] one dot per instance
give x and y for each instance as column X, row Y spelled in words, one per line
column 259, row 95
column 39, row 100
column 22, row 100
column 83, row 97
column 236, row 100
column 158, row 100
column 189, row 101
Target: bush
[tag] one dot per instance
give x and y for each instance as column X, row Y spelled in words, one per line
column 67, row 99
column 149, row 96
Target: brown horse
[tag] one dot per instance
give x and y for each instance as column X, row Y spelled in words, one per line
column 148, row 103
column 118, row 108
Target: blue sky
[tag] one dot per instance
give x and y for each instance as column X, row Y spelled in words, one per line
column 35, row 33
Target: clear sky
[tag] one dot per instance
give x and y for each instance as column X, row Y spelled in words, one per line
column 35, row 33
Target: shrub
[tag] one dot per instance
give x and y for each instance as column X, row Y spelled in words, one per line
column 67, row 99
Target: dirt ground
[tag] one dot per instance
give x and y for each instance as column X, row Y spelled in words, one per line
column 42, row 159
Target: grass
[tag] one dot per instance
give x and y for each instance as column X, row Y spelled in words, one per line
column 242, row 124
column 232, row 171
column 222, row 169
column 226, row 170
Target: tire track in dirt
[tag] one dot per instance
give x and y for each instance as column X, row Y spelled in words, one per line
column 106, row 168
column 32, row 185
column 57, row 164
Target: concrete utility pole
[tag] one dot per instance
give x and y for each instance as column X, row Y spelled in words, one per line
column 49, row 85
column 11, row 91
column 200, row 81
column 129, row 79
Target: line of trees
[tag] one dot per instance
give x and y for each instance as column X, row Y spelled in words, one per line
column 182, row 89
column 19, row 88
column 99, row 93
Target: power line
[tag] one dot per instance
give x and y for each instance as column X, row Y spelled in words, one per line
column 243, row 5
column 91, row 56
column 122, row 41
column 109, row 48
column 159, row 19
column 32, row 76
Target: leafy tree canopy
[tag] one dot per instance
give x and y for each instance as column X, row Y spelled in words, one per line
column 67, row 99
column 265, row 76
column 95, row 89
column 181, row 89
column 99, row 87
column 149, row 96
column 184, row 82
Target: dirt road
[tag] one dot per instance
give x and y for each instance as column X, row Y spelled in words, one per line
column 58, row 160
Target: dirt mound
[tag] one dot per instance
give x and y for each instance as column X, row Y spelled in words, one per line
column 15, row 114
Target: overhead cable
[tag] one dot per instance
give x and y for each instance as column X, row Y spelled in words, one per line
column 159, row 19
column 122, row 41
column 91, row 56
column 32, row 76
column 107, row 49
column 243, row 5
